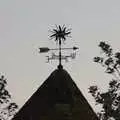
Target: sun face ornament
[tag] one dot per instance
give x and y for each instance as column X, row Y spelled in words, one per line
column 60, row 33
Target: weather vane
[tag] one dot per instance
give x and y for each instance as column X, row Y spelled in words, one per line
column 59, row 34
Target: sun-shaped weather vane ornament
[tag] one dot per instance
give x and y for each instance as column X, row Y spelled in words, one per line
column 59, row 34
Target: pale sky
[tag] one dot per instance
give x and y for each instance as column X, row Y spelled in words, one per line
column 24, row 26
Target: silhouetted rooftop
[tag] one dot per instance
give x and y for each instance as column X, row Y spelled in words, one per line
column 58, row 98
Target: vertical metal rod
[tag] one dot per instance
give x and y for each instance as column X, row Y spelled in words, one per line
column 59, row 51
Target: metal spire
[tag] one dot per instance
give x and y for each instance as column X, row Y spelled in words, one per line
column 59, row 34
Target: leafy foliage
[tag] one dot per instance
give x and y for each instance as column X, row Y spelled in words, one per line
column 109, row 100
column 7, row 107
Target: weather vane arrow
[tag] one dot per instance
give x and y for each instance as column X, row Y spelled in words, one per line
column 59, row 34
column 46, row 49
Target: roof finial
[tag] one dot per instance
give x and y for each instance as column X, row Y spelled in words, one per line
column 59, row 34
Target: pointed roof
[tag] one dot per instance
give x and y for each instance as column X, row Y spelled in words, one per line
column 58, row 98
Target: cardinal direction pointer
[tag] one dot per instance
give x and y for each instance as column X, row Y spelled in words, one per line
column 59, row 34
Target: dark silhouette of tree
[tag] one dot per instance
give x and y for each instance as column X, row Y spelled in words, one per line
column 7, row 107
column 110, row 100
